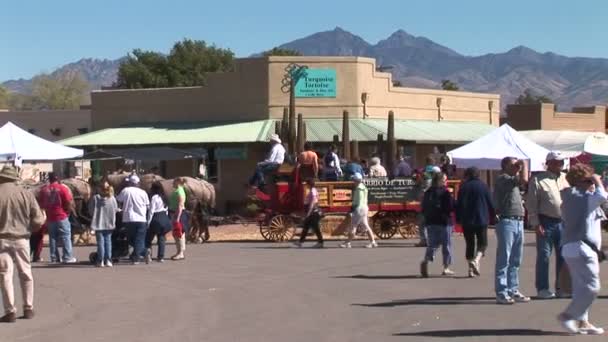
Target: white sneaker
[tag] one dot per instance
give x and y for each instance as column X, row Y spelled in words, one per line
column 345, row 245
column 571, row 325
column 372, row 245
column 519, row 297
column 70, row 261
column 109, row 264
column 590, row 329
column 545, row 294
column 447, row 272
column 504, row 300
column 99, row 264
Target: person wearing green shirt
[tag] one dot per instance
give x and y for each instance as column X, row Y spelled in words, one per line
column 177, row 204
column 359, row 213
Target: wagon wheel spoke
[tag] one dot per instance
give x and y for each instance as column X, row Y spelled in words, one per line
column 408, row 227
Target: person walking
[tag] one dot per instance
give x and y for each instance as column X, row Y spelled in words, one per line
column 159, row 223
column 509, row 230
column 426, row 179
column 313, row 215
column 179, row 222
column 437, row 208
column 135, row 204
column 20, row 215
column 581, row 243
column 103, row 207
column 56, row 200
column 331, row 165
column 544, row 215
column 474, row 210
column 359, row 213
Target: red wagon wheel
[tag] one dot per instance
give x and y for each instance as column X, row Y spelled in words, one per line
column 384, row 225
column 280, row 228
column 408, row 225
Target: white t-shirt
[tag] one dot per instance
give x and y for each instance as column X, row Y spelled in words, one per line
column 135, row 204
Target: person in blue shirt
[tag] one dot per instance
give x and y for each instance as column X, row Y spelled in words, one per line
column 352, row 168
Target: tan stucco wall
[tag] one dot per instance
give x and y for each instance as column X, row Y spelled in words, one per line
column 69, row 121
column 357, row 75
column 544, row 116
column 239, row 95
column 253, row 91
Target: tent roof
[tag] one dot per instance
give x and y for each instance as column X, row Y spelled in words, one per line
column 570, row 143
column 488, row 151
column 317, row 130
column 17, row 143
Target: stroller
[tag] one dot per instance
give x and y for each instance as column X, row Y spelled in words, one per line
column 120, row 244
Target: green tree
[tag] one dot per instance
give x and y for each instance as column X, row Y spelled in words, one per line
column 528, row 97
column 277, row 51
column 60, row 91
column 4, row 98
column 449, row 85
column 186, row 65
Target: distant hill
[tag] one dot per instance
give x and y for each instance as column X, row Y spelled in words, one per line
column 420, row 62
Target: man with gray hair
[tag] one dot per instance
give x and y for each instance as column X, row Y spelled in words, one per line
column 20, row 215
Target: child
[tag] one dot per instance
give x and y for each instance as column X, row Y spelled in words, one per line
column 104, row 208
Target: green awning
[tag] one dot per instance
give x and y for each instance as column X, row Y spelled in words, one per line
column 317, row 130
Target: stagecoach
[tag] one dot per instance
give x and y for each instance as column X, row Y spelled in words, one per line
column 394, row 205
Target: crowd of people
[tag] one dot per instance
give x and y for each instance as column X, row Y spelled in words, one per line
column 564, row 209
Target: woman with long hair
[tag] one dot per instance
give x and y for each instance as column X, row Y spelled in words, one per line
column 159, row 223
column 104, row 207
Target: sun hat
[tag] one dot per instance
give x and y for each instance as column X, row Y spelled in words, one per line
column 9, row 172
column 357, row 177
column 275, row 137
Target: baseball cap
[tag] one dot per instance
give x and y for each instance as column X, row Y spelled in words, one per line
column 555, row 155
column 357, row 177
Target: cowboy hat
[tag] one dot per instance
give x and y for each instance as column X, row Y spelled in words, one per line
column 9, row 172
column 275, row 137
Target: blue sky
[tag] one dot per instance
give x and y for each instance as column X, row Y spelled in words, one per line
column 38, row 36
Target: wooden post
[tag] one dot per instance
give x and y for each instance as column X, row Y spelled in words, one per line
column 277, row 127
column 345, row 136
column 304, row 137
column 354, row 149
column 292, row 118
column 380, row 145
column 336, row 140
column 285, row 125
column 392, row 144
column 300, row 137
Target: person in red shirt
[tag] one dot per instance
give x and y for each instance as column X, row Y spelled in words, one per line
column 56, row 200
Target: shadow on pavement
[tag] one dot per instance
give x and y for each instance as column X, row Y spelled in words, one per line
column 434, row 301
column 407, row 276
column 483, row 332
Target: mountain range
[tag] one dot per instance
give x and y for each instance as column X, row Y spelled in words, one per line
column 420, row 62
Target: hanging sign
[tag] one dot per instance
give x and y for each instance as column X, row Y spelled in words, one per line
column 316, row 83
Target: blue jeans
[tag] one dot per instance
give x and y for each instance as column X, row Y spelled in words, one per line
column 62, row 231
column 439, row 235
column 544, row 247
column 260, row 171
column 136, row 234
column 104, row 245
column 509, row 253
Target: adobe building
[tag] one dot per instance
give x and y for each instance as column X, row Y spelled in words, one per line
column 545, row 117
column 235, row 112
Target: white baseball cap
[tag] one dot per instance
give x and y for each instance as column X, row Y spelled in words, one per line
column 555, row 155
column 357, row 177
column 134, row 179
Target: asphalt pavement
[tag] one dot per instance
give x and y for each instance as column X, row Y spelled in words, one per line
column 274, row 292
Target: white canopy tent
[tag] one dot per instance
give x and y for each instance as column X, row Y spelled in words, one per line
column 597, row 143
column 569, row 143
column 17, row 144
column 487, row 151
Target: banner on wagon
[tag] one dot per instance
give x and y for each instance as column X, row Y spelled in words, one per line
column 391, row 191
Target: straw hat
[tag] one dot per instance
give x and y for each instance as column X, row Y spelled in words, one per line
column 9, row 172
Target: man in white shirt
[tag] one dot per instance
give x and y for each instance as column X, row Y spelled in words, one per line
column 270, row 164
column 135, row 204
